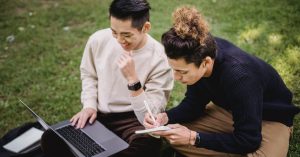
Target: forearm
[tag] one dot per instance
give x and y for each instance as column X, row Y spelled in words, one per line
column 157, row 103
column 89, row 93
column 156, row 94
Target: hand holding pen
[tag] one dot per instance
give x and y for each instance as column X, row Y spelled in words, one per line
column 151, row 121
column 150, row 112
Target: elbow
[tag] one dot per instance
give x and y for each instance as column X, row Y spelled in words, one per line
column 250, row 145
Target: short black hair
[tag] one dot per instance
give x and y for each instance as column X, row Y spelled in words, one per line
column 188, row 48
column 136, row 10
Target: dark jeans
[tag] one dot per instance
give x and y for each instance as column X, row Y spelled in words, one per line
column 54, row 146
column 124, row 125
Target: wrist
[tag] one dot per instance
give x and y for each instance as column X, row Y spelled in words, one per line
column 132, row 80
column 166, row 119
column 193, row 136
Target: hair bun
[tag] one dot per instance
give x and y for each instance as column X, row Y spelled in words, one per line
column 188, row 22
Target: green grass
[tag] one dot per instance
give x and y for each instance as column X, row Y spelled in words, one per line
column 41, row 64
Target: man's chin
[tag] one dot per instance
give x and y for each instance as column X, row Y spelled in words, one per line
column 127, row 48
column 188, row 83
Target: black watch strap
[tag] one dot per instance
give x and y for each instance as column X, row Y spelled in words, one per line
column 135, row 86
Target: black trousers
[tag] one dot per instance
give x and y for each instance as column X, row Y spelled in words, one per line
column 124, row 125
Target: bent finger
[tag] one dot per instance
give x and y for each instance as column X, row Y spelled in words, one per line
column 93, row 117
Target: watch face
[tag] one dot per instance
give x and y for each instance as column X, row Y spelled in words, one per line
column 134, row 87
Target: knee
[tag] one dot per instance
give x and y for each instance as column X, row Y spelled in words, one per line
column 146, row 146
column 53, row 145
column 250, row 147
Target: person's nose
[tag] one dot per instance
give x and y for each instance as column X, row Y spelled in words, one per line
column 120, row 39
column 177, row 76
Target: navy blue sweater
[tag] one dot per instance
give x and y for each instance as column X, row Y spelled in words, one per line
column 245, row 85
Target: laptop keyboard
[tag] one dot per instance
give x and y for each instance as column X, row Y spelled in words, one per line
column 80, row 140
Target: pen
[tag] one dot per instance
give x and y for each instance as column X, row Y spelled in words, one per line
column 149, row 111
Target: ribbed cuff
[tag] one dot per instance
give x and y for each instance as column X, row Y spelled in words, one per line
column 137, row 102
column 91, row 103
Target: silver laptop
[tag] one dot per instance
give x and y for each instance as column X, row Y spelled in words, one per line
column 94, row 140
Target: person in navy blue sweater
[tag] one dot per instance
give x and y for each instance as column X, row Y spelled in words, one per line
column 235, row 104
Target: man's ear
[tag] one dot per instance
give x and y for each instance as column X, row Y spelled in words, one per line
column 207, row 62
column 146, row 28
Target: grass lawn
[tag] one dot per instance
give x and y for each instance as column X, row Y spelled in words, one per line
column 41, row 45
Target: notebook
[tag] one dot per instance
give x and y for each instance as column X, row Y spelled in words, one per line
column 159, row 128
column 94, row 140
column 25, row 142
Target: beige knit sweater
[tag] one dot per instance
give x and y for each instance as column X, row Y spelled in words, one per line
column 105, row 89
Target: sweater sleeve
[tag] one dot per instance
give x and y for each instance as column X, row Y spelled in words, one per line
column 192, row 106
column 89, row 78
column 157, row 88
column 244, row 93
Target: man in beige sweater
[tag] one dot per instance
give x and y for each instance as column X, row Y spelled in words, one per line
column 122, row 67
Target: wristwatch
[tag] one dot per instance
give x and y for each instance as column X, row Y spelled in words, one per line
column 197, row 142
column 134, row 86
